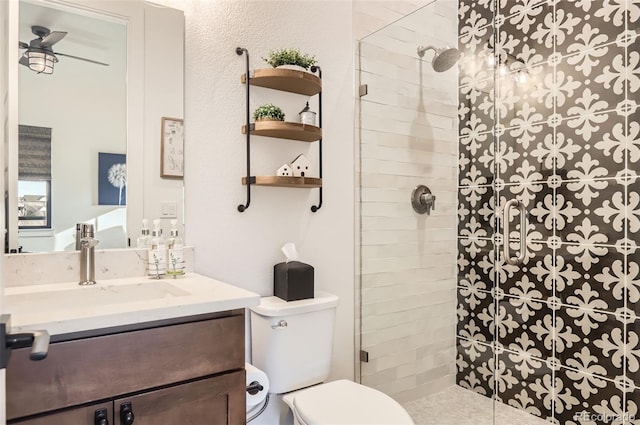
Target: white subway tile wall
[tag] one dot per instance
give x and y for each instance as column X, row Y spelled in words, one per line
column 407, row 136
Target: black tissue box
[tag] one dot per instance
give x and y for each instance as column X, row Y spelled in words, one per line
column 293, row 281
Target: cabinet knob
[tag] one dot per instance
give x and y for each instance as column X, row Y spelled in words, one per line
column 126, row 414
column 100, row 417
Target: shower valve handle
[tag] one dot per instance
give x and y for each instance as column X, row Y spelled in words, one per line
column 422, row 200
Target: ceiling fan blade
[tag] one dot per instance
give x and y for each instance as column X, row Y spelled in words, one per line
column 52, row 38
column 82, row 59
column 24, row 61
column 23, row 45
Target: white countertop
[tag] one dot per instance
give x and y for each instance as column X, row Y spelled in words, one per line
column 68, row 307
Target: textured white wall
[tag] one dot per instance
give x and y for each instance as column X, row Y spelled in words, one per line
column 408, row 136
column 241, row 248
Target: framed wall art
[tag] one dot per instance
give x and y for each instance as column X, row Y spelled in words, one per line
column 112, row 179
column 172, row 148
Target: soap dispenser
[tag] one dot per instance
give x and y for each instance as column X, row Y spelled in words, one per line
column 143, row 240
column 157, row 251
column 175, row 263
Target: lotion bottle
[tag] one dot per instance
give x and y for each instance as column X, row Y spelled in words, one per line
column 175, row 258
column 157, row 252
column 143, row 240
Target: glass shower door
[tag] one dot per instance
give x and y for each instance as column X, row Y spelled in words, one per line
column 408, row 137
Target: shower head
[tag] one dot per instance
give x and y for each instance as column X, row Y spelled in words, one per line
column 443, row 58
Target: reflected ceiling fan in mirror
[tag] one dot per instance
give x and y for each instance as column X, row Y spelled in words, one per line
column 39, row 55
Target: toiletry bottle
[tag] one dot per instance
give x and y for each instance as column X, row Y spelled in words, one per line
column 175, row 257
column 143, row 240
column 157, row 252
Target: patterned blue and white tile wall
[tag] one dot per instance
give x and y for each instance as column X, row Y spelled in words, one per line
column 548, row 115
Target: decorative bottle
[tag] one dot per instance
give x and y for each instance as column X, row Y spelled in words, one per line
column 143, row 240
column 175, row 254
column 157, row 251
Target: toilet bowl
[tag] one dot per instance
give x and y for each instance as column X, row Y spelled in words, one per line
column 345, row 402
column 292, row 342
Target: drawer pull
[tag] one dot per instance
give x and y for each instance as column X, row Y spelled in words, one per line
column 126, row 414
column 101, row 417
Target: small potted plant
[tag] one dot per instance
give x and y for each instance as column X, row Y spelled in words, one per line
column 290, row 58
column 268, row 112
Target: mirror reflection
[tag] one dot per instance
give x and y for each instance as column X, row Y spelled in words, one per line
column 72, row 136
column 91, row 88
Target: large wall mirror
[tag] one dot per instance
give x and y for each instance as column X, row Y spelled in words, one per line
column 84, row 126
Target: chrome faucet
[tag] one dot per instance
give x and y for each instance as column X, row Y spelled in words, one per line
column 86, row 244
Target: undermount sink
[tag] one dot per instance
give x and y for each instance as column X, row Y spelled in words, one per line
column 96, row 295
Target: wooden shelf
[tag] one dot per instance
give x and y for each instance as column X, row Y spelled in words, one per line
column 279, row 181
column 289, row 80
column 285, row 130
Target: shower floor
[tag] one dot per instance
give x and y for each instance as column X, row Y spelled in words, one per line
column 458, row 406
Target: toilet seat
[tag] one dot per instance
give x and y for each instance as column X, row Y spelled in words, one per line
column 346, row 402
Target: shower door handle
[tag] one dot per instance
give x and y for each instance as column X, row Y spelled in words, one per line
column 523, row 232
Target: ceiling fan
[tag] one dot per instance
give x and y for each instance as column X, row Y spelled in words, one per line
column 39, row 55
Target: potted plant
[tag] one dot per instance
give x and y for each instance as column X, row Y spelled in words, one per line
column 268, row 112
column 290, row 58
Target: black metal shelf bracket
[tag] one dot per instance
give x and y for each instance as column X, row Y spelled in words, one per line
column 240, row 51
column 315, row 208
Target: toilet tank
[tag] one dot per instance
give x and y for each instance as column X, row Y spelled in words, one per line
column 292, row 342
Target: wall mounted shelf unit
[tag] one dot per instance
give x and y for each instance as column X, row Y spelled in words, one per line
column 285, row 130
column 282, row 181
column 292, row 81
column 288, row 80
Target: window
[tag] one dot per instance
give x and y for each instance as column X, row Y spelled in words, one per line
column 34, row 177
column 34, row 208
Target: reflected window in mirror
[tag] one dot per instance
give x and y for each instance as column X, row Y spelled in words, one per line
column 34, row 177
column 34, row 206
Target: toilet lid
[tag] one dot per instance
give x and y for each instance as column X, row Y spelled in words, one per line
column 345, row 402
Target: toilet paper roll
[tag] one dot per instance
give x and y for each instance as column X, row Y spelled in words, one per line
column 256, row 375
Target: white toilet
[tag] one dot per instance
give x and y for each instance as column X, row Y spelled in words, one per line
column 292, row 343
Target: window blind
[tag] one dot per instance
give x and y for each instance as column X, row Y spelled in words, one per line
column 34, row 153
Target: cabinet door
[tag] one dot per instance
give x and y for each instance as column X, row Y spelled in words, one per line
column 212, row 401
column 80, row 416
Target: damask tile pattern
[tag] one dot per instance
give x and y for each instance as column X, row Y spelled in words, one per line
column 589, row 148
column 599, row 22
column 632, row 355
column 554, row 122
column 526, row 36
column 519, row 379
column 522, row 330
column 475, row 313
column 628, row 272
column 590, row 341
column 528, row 282
column 476, row 218
column 581, row 398
column 475, row 363
column 522, row 100
column 537, row 199
column 591, row 212
column 586, row 86
column 590, row 277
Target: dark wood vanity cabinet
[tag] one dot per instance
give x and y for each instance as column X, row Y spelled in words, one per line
column 76, row 416
column 189, row 372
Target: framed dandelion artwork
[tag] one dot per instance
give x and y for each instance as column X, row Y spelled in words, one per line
column 172, row 148
column 112, row 179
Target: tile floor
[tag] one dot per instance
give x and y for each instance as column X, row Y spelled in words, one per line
column 458, row 406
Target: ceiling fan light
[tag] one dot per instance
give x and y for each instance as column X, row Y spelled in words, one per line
column 41, row 62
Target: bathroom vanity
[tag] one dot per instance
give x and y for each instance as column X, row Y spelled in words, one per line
column 131, row 351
